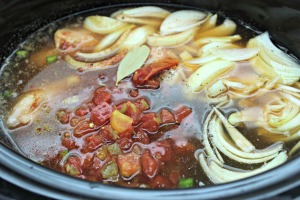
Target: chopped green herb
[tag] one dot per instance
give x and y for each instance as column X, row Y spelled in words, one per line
column 7, row 94
column 51, row 59
column 22, row 54
column 185, row 182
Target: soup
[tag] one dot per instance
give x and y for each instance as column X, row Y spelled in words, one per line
column 152, row 98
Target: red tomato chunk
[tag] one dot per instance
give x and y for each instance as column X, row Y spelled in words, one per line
column 129, row 164
column 101, row 113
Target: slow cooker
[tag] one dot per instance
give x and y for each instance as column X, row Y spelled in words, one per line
column 18, row 19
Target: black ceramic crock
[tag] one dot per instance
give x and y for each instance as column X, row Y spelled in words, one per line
column 20, row 18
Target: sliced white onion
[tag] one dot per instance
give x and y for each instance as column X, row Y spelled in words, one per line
column 146, row 11
column 209, row 23
column 213, row 46
column 237, row 54
column 207, row 40
column 109, row 39
column 75, row 64
column 102, row 24
column 182, row 20
column 138, row 36
column 227, row 28
column 233, row 174
column 172, row 40
column 242, row 142
column 106, row 53
column 208, row 72
column 139, row 20
column 216, row 89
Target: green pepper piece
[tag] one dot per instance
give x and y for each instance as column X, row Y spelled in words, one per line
column 185, row 182
column 102, row 153
column 63, row 153
column 114, row 149
column 124, row 108
column 109, row 170
column 71, row 170
column 22, row 54
column 51, row 59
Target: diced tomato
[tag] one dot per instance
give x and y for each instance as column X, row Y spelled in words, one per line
column 63, row 116
column 101, row 96
column 82, row 111
column 149, row 164
column 73, row 166
column 92, row 143
column 160, row 181
column 69, row 143
column 174, row 177
column 129, row 164
column 83, row 128
column 142, row 137
column 101, row 113
column 182, row 113
column 145, row 73
column 124, row 143
column 166, row 116
column 149, row 122
column 166, row 145
column 120, row 122
column 105, row 131
column 87, row 163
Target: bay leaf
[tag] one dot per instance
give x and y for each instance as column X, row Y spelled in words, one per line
column 132, row 61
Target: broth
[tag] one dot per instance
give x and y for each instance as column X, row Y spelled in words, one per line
column 156, row 130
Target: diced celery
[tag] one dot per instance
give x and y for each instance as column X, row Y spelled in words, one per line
column 102, row 153
column 51, row 59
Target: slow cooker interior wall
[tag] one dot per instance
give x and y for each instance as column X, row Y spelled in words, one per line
column 19, row 18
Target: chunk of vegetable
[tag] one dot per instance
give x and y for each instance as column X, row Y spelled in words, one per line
column 109, row 170
column 129, row 164
column 185, row 182
column 120, row 122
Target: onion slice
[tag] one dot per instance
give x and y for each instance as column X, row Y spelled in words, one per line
column 102, row 24
column 182, row 20
column 106, row 53
column 146, row 11
column 208, row 72
column 227, row 28
column 172, row 40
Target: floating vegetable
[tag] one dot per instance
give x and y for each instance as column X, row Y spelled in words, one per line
column 182, row 20
column 106, row 53
column 75, row 64
column 51, row 59
column 132, row 61
column 274, row 60
column 227, row 28
column 209, row 23
column 175, row 40
column 208, row 72
column 102, row 24
column 207, row 40
column 138, row 36
column 146, row 11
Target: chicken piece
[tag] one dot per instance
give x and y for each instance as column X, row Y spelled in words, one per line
column 72, row 40
column 24, row 110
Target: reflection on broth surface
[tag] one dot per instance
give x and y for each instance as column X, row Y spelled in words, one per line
column 139, row 100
